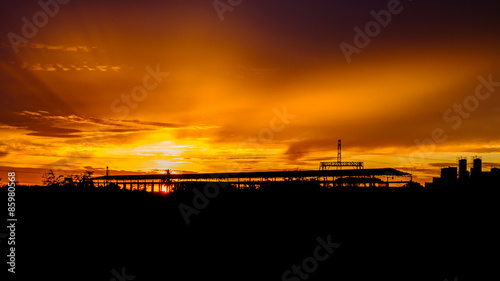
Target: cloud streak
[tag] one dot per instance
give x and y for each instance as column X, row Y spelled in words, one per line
column 45, row 124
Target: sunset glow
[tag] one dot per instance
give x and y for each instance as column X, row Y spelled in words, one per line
column 157, row 85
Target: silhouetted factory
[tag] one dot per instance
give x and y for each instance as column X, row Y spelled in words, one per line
column 356, row 176
column 172, row 182
column 453, row 176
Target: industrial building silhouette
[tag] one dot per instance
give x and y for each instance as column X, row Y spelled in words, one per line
column 460, row 176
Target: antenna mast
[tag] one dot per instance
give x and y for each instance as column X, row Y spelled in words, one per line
column 339, row 154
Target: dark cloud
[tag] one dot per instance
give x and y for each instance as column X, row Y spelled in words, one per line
column 37, row 125
column 156, row 124
column 483, row 150
column 442, row 165
column 45, row 124
column 54, row 132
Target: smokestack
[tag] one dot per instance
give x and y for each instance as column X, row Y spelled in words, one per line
column 478, row 163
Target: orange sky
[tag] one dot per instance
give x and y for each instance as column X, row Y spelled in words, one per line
column 220, row 85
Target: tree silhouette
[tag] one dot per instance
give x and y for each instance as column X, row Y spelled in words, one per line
column 413, row 184
column 50, row 179
column 84, row 179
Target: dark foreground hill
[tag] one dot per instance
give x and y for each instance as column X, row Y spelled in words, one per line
column 240, row 235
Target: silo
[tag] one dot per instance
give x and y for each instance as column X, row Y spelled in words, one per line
column 463, row 174
column 476, row 168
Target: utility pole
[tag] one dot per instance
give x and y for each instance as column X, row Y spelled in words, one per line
column 107, row 174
